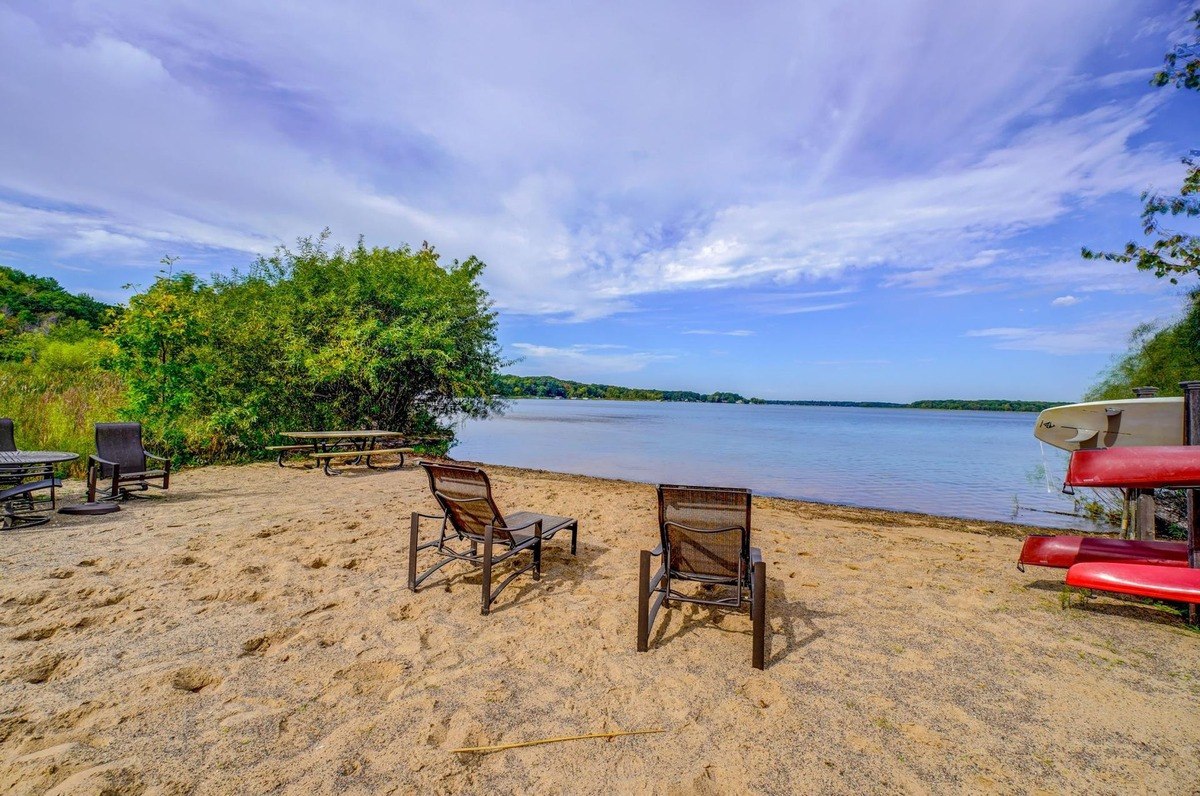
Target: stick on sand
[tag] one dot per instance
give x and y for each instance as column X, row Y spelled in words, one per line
column 502, row 747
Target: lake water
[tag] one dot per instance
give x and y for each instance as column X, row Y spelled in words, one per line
column 983, row 465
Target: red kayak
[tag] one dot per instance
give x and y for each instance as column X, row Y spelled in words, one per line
column 1136, row 468
column 1180, row 584
column 1064, row 551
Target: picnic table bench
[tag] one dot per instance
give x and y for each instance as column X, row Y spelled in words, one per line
column 324, row 447
column 325, row 457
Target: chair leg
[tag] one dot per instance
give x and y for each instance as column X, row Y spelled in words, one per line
column 574, row 537
column 412, row 551
column 758, row 611
column 487, row 570
column 91, row 484
column 643, row 628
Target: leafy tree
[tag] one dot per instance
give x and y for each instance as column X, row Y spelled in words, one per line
column 1160, row 356
column 309, row 339
column 1173, row 253
column 36, row 304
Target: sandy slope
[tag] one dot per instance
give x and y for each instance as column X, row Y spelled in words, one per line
column 251, row 632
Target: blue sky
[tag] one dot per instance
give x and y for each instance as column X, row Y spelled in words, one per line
column 876, row 201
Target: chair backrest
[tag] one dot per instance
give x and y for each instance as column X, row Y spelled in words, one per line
column 121, row 443
column 465, row 495
column 721, row 539
column 8, row 442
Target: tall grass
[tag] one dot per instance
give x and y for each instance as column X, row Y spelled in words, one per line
column 55, row 400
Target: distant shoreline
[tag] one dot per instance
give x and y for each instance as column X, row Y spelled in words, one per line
column 950, row 404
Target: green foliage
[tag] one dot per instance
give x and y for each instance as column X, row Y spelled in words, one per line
column 1157, row 357
column 53, row 382
column 507, row 386
column 59, row 391
column 988, row 405
column 1172, row 253
column 310, row 339
column 33, row 306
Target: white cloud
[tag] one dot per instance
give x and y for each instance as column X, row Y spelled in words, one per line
column 1102, row 335
column 1064, row 301
column 626, row 169
column 583, row 361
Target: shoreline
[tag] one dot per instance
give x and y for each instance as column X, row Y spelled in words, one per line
column 847, row 511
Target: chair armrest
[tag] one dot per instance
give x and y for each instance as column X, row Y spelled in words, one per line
column 94, row 458
column 430, row 516
column 658, row 551
column 755, row 556
column 163, row 459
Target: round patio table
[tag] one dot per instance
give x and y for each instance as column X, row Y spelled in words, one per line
column 27, row 458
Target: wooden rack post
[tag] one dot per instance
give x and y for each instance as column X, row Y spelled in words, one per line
column 1143, row 499
column 1191, row 426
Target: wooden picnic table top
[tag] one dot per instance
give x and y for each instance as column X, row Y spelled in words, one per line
column 339, row 434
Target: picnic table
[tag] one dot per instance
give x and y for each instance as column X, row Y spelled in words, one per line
column 349, row 447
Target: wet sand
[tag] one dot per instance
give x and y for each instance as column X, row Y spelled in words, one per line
column 250, row 631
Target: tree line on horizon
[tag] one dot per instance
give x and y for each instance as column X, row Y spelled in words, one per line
column 511, row 386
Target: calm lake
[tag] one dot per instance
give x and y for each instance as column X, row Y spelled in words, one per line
column 983, row 465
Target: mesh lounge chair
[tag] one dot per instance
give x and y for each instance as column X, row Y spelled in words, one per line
column 470, row 515
column 121, row 461
column 704, row 538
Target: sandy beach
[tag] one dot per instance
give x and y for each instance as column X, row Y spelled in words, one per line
column 250, row 632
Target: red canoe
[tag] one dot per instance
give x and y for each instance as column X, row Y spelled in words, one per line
column 1136, row 468
column 1064, row 551
column 1181, row 584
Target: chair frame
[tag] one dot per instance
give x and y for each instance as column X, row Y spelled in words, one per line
column 20, row 508
column 655, row 591
column 119, row 487
column 496, row 533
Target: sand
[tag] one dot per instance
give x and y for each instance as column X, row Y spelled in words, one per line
column 251, row 632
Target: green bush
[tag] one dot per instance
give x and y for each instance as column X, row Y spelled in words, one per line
column 58, row 392
column 311, row 339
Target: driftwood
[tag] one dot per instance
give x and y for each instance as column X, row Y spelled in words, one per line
column 501, row 747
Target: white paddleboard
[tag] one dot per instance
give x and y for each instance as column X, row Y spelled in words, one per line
column 1112, row 424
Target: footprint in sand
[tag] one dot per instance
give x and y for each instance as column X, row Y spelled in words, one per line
column 193, row 679
column 46, row 668
column 38, row 633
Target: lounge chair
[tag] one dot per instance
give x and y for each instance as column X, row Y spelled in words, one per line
column 704, row 535
column 121, row 462
column 470, row 515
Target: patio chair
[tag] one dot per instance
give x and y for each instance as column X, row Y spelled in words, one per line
column 470, row 515
column 704, row 537
column 21, row 505
column 122, row 463
column 8, row 441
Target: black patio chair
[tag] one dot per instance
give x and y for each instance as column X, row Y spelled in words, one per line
column 121, row 462
column 704, row 538
column 21, row 504
column 470, row 515
column 8, row 440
